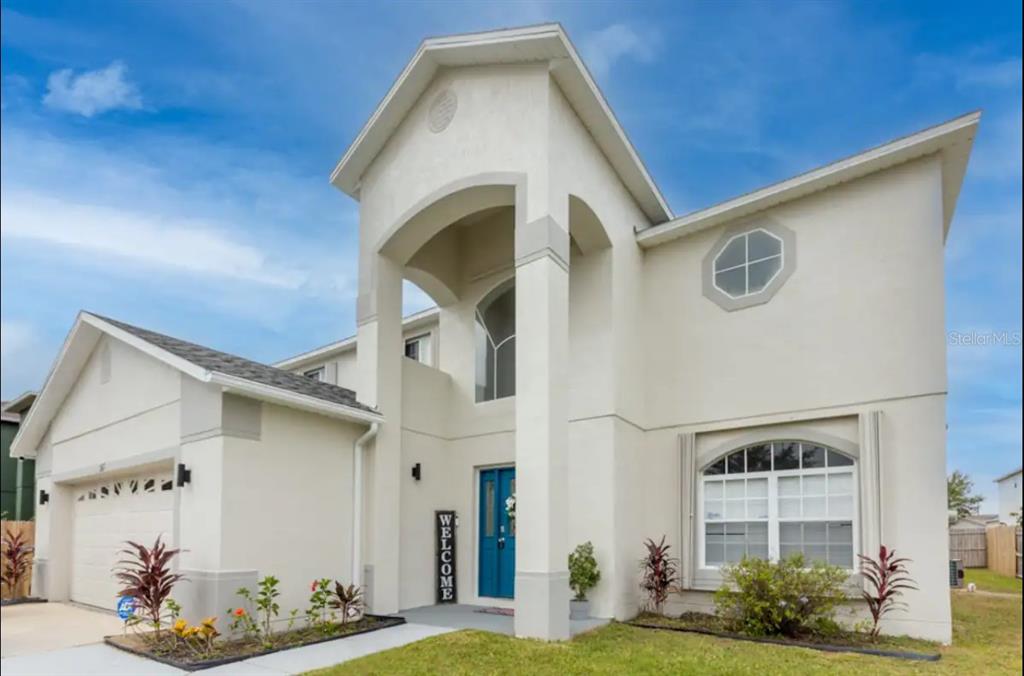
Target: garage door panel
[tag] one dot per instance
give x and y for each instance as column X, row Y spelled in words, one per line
column 106, row 515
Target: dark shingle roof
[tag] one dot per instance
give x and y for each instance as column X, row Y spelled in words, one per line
column 239, row 367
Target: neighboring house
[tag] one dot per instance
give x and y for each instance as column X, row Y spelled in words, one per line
column 761, row 377
column 972, row 522
column 1010, row 496
column 17, row 475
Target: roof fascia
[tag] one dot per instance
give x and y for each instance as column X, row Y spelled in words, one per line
column 290, row 399
column 953, row 140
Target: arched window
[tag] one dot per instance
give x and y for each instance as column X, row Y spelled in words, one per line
column 496, row 343
column 774, row 499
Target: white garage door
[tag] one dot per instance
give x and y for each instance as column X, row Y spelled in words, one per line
column 106, row 514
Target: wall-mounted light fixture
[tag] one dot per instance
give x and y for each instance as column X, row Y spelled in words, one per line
column 184, row 475
column 417, row 472
column 44, row 497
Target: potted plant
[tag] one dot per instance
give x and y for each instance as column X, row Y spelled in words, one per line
column 583, row 576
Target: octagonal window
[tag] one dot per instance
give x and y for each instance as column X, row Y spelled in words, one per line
column 748, row 263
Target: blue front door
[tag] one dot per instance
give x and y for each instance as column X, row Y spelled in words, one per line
column 497, row 533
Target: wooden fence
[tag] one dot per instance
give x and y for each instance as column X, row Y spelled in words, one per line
column 1003, row 549
column 969, row 546
column 28, row 529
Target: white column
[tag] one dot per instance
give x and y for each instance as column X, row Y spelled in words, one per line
column 379, row 335
column 542, row 425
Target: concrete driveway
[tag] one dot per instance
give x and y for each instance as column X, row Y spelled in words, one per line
column 54, row 639
column 41, row 627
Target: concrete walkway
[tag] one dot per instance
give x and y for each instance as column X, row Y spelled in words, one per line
column 100, row 659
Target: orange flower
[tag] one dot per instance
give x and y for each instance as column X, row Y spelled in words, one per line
column 239, row 612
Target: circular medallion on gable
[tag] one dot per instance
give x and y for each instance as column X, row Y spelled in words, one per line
column 442, row 110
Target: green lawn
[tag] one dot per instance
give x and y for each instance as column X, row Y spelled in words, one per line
column 987, row 640
column 992, row 582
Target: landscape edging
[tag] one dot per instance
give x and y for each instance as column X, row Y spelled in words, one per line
column 823, row 647
column 386, row 621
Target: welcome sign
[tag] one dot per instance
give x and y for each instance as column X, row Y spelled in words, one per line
column 444, row 526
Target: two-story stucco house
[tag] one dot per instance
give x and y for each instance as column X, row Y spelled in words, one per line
column 761, row 377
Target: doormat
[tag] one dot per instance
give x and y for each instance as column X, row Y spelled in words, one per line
column 507, row 612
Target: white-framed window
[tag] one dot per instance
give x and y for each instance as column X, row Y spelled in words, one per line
column 748, row 263
column 496, row 343
column 315, row 374
column 777, row 498
column 418, row 348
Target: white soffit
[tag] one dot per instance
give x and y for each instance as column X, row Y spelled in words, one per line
column 953, row 140
column 546, row 42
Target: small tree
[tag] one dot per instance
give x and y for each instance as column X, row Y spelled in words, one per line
column 887, row 578
column 583, row 572
column 660, row 574
column 17, row 557
column 960, row 495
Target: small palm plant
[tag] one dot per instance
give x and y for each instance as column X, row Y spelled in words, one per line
column 660, row 574
column 348, row 600
column 17, row 557
column 888, row 578
column 145, row 574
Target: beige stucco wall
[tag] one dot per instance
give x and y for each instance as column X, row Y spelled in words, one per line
column 286, row 501
column 857, row 328
column 134, row 412
column 860, row 319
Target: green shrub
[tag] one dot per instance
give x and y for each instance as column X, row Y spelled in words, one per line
column 763, row 598
column 583, row 572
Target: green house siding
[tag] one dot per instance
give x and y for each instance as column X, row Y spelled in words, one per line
column 17, row 479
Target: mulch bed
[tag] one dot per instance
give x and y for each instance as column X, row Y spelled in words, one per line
column 846, row 642
column 235, row 650
column 17, row 602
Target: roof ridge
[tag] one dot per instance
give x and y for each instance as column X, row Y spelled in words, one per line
column 219, row 361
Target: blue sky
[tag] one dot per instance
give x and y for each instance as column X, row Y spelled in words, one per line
column 166, row 163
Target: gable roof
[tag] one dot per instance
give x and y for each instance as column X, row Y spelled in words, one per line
column 546, row 42
column 952, row 140
column 232, row 373
column 13, row 410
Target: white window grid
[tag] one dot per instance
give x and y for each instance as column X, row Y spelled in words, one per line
column 773, row 519
column 747, row 263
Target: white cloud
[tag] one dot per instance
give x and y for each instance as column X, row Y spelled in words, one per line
column 604, row 48
column 147, row 239
column 1003, row 74
column 92, row 92
column 15, row 336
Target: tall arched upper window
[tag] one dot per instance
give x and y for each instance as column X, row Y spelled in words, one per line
column 496, row 343
column 774, row 499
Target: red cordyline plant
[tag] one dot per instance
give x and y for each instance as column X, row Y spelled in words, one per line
column 887, row 578
column 660, row 574
column 145, row 574
column 17, row 558
column 349, row 600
